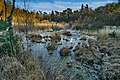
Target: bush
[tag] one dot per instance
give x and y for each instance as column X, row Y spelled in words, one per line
column 9, row 44
column 56, row 28
column 3, row 25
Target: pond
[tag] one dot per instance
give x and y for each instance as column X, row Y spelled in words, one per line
column 55, row 65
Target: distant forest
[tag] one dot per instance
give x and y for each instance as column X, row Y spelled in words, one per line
column 85, row 16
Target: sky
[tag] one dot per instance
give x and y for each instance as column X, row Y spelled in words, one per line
column 49, row 5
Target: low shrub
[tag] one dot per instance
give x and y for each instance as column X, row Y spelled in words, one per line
column 3, row 25
column 9, row 44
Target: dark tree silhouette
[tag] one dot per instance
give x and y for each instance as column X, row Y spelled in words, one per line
column 10, row 16
column 82, row 7
column 5, row 10
column 86, row 7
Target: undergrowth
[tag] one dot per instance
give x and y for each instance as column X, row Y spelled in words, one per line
column 9, row 42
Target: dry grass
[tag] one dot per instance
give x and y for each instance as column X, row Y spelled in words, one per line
column 65, row 51
column 22, row 67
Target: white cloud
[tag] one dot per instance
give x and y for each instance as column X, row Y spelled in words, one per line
column 47, row 6
column 59, row 6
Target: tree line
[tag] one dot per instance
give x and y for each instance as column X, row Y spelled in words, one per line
column 85, row 16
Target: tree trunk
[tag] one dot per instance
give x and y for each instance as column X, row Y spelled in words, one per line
column 5, row 10
column 10, row 16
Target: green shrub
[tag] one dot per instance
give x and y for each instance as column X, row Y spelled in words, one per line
column 9, row 44
column 3, row 25
column 56, row 28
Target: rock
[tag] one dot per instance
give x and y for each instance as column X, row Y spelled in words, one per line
column 64, row 51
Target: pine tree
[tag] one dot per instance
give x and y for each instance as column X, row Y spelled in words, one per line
column 82, row 7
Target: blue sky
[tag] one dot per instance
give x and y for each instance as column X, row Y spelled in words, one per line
column 49, row 5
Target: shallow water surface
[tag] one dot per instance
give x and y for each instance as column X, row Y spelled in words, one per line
column 57, row 65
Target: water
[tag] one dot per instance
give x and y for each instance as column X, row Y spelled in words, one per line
column 56, row 64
